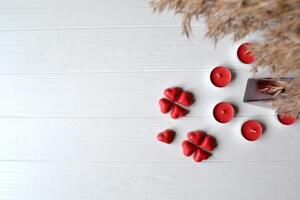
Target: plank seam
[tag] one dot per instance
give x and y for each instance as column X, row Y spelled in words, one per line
column 98, row 27
column 113, row 72
column 116, row 117
column 149, row 161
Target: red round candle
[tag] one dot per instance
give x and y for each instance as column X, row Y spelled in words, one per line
column 223, row 112
column 244, row 55
column 252, row 130
column 220, row 76
column 286, row 119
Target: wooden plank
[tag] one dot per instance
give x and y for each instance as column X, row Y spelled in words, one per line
column 188, row 181
column 112, row 50
column 133, row 140
column 114, row 94
column 53, row 14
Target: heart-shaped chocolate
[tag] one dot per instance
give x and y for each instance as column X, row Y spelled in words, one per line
column 173, row 93
column 209, row 143
column 186, row 98
column 178, row 112
column 165, row 105
column 200, row 155
column 200, row 145
column 167, row 136
column 188, row 148
column 196, row 137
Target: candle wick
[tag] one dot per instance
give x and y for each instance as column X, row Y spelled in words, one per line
column 253, row 131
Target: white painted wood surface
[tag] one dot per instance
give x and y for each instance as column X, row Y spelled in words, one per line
column 79, row 83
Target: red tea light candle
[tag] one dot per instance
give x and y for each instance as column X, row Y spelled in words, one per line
column 223, row 112
column 244, row 55
column 252, row 130
column 286, row 119
column 220, row 76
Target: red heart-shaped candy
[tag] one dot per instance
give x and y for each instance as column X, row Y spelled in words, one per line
column 178, row 111
column 188, row 148
column 167, row 136
column 200, row 155
column 173, row 93
column 165, row 105
column 186, row 98
column 196, row 137
column 208, row 143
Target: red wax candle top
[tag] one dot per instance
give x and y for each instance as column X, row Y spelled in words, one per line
column 223, row 112
column 244, row 55
column 286, row 119
column 252, row 130
column 220, row 76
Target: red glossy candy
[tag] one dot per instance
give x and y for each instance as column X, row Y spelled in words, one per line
column 186, row 98
column 165, row 105
column 286, row 119
column 173, row 93
column 209, row 143
column 200, row 144
column 188, row 148
column 200, row 155
column 223, row 112
column 196, row 137
column 252, row 130
column 178, row 112
column 167, row 136
column 244, row 55
column 220, row 76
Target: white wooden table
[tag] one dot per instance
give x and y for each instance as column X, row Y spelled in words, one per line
column 80, row 81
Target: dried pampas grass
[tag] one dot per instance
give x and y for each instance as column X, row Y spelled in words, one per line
column 277, row 20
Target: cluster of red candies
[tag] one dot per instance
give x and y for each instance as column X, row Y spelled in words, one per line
column 176, row 100
column 198, row 143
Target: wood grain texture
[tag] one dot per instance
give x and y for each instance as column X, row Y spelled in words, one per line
column 60, row 14
column 178, row 181
column 134, row 140
column 115, row 94
column 80, row 82
column 112, row 50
